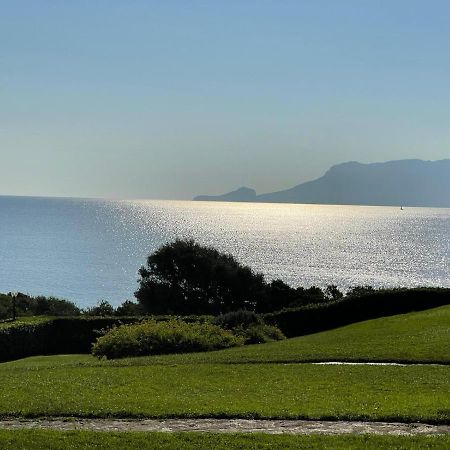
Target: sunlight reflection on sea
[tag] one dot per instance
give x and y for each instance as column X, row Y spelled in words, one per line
column 86, row 250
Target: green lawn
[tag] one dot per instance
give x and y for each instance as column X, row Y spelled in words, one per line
column 252, row 381
column 405, row 393
column 48, row 440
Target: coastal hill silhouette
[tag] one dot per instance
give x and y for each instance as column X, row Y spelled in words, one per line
column 410, row 182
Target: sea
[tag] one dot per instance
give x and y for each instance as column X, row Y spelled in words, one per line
column 87, row 250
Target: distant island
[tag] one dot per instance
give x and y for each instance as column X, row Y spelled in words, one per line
column 409, row 182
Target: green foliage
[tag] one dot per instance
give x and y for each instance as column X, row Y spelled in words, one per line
column 37, row 306
column 259, row 333
column 19, row 339
column 129, row 308
column 332, row 293
column 52, row 306
column 367, row 304
column 102, row 309
column 419, row 337
column 359, row 291
column 50, row 336
column 250, row 326
column 240, row 318
column 184, row 277
column 153, row 338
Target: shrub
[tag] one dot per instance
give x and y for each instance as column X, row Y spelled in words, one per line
column 153, row 338
column 250, row 326
column 238, row 318
column 259, row 333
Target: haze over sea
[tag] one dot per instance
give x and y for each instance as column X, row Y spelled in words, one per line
column 86, row 250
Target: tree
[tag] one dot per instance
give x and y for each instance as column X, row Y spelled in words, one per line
column 129, row 308
column 103, row 308
column 279, row 295
column 332, row 293
column 184, row 277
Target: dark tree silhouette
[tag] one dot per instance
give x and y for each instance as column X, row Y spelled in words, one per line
column 184, row 277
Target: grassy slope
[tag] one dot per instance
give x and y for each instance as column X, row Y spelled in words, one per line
column 44, row 440
column 414, row 337
column 177, row 385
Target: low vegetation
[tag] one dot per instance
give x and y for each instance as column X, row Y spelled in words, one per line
column 153, row 338
column 44, row 440
column 250, row 326
column 64, row 386
column 417, row 337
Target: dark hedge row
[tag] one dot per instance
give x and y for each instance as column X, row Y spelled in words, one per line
column 355, row 308
column 63, row 335
column 53, row 336
column 77, row 334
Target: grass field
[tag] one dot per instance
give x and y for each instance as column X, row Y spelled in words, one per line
column 60, row 387
column 253, row 381
column 47, row 440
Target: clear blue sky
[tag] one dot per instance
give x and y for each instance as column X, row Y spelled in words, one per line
column 168, row 99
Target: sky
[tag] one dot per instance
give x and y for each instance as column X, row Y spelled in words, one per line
column 170, row 99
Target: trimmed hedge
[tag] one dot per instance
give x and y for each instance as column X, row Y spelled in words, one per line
column 64, row 335
column 18, row 340
column 50, row 336
column 355, row 308
column 53, row 336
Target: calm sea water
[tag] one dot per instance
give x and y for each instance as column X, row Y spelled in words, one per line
column 87, row 250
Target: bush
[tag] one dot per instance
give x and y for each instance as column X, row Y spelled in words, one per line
column 240, row 318
column 154, row 338
column 259, row 333
column 250, row 326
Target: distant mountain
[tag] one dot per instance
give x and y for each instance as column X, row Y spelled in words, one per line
column 243, row 194
column 409, row 182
